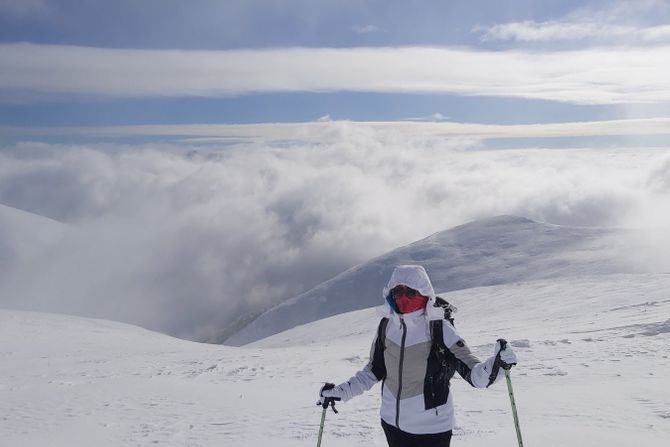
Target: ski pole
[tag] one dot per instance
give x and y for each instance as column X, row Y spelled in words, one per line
column 324, row 404
column 507, row 367
column 511, row 398
column 323, row 419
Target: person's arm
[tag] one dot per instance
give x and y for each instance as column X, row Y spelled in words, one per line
column 364, row 379
column 474, row 371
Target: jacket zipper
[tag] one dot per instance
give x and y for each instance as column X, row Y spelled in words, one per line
column 402, row 359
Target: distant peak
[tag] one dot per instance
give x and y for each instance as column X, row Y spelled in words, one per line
column 8, row 211
column 508, row 219
column 502, row 220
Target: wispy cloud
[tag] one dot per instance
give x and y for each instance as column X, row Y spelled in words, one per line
column 22, row 8
column 595, row 76
column 553, row 31
column 639, row 22
column 437, row 116
column 367, row 29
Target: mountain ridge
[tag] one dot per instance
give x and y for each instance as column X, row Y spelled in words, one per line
column 484, row 252
column 24, row 234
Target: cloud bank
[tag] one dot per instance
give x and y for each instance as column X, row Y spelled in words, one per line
column 590, row 76
column 187, row 239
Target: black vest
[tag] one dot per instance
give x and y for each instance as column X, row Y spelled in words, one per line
column 441, row 364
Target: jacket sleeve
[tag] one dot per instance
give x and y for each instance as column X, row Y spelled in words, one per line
column 474, row 371
column 365, row 379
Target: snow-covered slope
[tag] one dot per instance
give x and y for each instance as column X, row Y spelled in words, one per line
column 24, row 235
column 499, row 250
column 593, row 351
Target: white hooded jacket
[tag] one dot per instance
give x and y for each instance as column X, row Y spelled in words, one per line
column 400, row 362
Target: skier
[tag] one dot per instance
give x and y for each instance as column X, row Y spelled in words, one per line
column 415, row 362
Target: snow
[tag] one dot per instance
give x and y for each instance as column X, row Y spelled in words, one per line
column 24, row 235
column 594, row 352
column 497, row 250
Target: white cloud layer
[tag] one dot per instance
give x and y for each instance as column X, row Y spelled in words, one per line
column 555, row 31
column 185, row 239
column 592, row 76
column 320, row 130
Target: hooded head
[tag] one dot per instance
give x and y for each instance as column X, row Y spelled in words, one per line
column 414, row 277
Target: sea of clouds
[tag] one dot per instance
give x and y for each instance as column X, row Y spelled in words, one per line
column 190, row 238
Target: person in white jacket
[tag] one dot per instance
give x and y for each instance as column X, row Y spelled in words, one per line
column 415, row 353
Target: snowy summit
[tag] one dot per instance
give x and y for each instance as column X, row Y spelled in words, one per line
column 497, row 250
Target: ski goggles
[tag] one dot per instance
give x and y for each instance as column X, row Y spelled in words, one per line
column 402, row 290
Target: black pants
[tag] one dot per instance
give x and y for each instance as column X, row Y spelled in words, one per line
column 398, row 438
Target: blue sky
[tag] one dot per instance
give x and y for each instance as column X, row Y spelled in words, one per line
column 214, row 24
column 95, row 62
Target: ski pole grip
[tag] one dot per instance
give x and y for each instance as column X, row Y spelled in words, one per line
column 503, row 346
column 498, row 363
column 326, row 401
